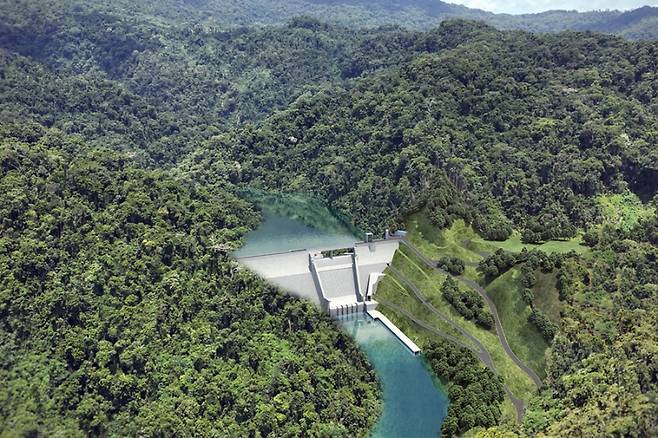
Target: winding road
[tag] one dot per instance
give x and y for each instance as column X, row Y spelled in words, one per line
column 492, row 308
column 481, row 352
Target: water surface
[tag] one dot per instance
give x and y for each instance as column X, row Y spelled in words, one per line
column 414, row 403
column 295, row 221
column 279, row 233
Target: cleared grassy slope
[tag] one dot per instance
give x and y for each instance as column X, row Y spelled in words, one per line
column 429, row 281
column 524, row 338
column 460, row 240
column 546, row 295
column 514, row 244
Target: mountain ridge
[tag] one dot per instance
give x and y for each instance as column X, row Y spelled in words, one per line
column 639, row 23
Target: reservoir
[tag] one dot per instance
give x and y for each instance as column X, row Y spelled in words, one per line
column 414, row 402
column 293, row 222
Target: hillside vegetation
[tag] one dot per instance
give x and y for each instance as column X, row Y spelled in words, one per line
column 529, row 130
column 127, row 130
column 637, row 23
column 122, row 312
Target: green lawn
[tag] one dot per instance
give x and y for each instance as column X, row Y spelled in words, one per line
column 429, row 281
column 514, row 244
column 523, row 337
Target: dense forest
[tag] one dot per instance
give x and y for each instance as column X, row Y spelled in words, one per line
column 637, row 23
column 475, row 391
column 529, row 129
column 122, row 312
column 128, row 129
column 603, row 371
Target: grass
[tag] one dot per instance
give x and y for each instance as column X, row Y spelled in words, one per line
column 429, row 281
column 524, row 338
column 392, row 290
column 514, row 244
column 460, row 240
column 547, row 297
column 437, row 243
column 624, row 211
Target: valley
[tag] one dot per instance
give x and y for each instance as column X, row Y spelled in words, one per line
column 327, row 218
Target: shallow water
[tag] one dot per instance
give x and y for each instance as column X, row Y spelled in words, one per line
column 414, row 404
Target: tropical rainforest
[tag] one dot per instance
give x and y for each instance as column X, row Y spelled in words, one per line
column 128, row 131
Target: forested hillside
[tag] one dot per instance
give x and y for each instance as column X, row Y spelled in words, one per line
column 160, row 89
column 530, row 128
column 410, row 14
column 127, row 128
column 602, row 370
column 122, row 312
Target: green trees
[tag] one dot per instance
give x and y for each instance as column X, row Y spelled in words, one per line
column 122, row 314
column 453, row 117
column 467, row 302
column 497, row 263
column 454, row 265
column 120, row 310
column 475, row 392
column 546, row 327
column 548, row 226
column 597, row 347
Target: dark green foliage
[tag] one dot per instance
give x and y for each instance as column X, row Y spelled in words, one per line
column 475, row 392
column 546, row 327
column 497, row 264
column 121, row 312
column 439, row 219
column 491, row 223
column 454, row 265
column 528, row 278
column 501, row 261
column 494, row 227
column 467, row 302
column 548, row 226
column 416, row 14
column 518, row 126
column 527, row 295
column 161, row 98
column 591, row 237
column 484, row 319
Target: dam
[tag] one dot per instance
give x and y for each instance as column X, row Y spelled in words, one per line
column 340, row 284
column 320, row 262
column 326, row 280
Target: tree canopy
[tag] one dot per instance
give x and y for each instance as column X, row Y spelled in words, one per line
column 127, row 130
column 123, row 313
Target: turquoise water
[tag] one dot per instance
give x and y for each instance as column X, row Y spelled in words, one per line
column 278, row 234
column 414, row 405
column 293, row 222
